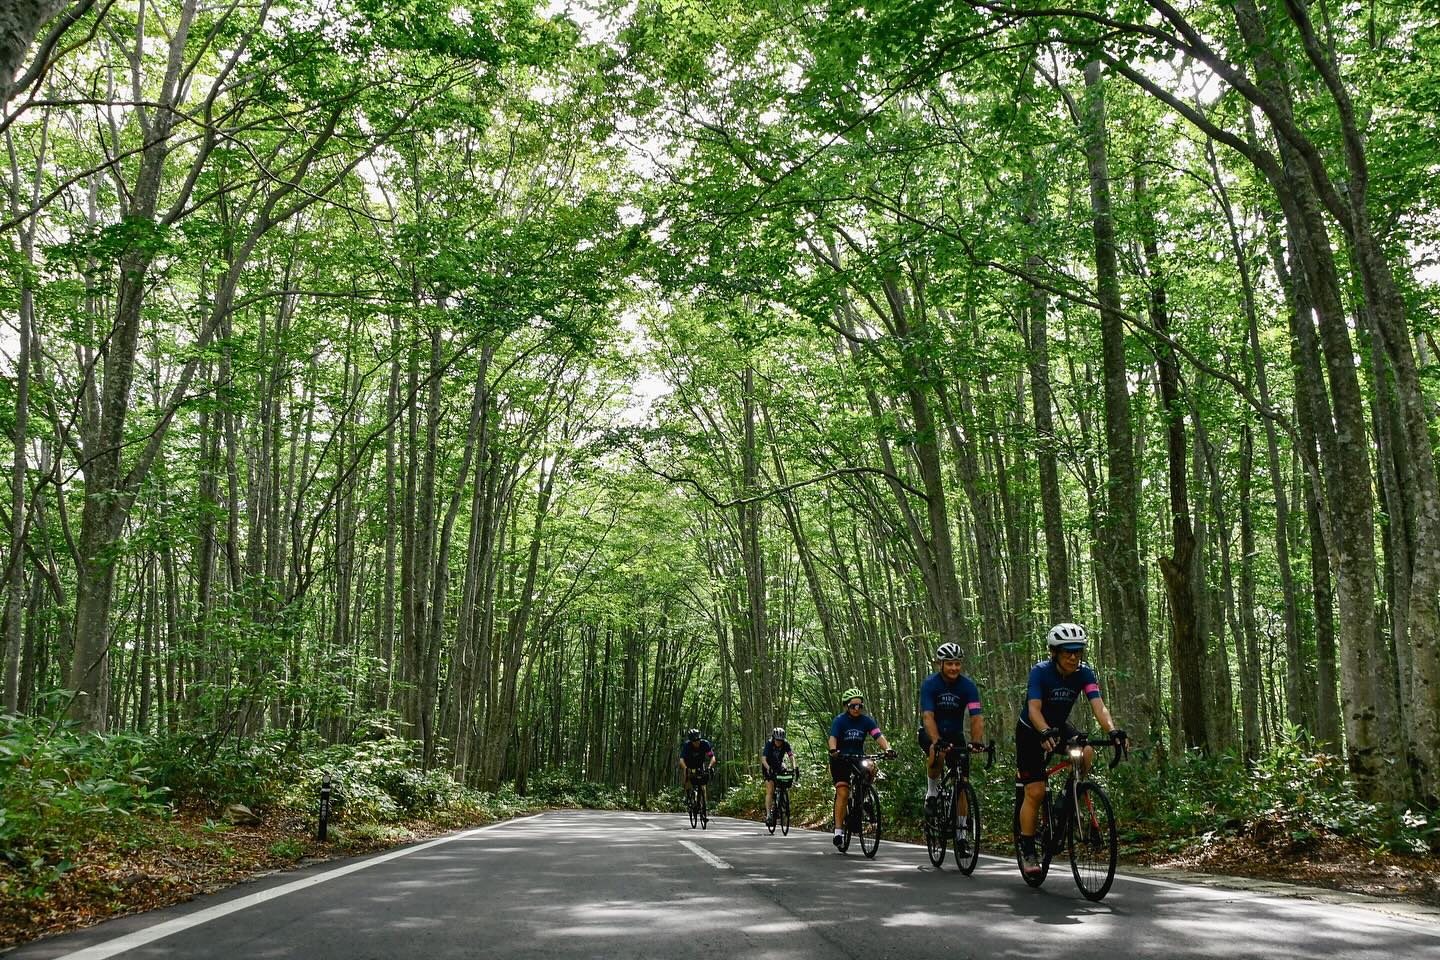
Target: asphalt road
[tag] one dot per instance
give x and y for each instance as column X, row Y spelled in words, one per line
column 614, row 884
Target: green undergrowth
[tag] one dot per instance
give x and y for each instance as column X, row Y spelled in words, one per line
column 1289, row 801
column 64, row 794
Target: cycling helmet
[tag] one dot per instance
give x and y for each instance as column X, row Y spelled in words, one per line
column 692, row 734
column 949, row 651
column 852, row 694
column 1066, row 636
column 778, row 733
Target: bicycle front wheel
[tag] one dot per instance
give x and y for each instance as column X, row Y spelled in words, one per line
column 693, row 809
column 1092, row 842
column 967, row 839
column 936, row 829
column 783, row 814
column 704, row 812
column 870, row 824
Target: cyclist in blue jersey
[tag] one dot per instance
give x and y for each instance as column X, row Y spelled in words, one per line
column 1054, row 686
column 696, row 755
column 947, row 697
column 772, row 761
column 847, row 745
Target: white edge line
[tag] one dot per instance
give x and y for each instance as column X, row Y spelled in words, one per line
column 695, row 848
column 139, row 938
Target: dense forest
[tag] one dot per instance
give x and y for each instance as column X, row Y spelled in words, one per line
column 534, row 382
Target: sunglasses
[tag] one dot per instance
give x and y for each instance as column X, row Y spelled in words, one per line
column 854, row 706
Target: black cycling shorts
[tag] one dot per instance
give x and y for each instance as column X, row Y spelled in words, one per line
column 841, row 768
column 1030, row 752
column 960, row 756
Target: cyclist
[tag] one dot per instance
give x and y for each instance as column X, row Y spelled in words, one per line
column 1054, row 686
column 947, row 696
column 696, row 755
column 847, row 745
column 772, row 761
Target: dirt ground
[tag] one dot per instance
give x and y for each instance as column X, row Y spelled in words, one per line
column 1330, row 863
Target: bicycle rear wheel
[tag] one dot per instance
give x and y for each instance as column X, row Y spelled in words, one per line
column 783, row 814
column 870, row 823
column 937, row 828
column 1042, row 841
column 971, row 833
column 1092, row 842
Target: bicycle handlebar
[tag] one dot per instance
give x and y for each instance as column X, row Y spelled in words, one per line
column 1081, row 740
column 975, row 746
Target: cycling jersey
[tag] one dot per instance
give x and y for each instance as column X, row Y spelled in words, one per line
column 696, row 753
column 1056, row 693
column 775, row 755
column 950, row 702
column 850, row 732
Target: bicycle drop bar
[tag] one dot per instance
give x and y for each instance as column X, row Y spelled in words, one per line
column 1081, row 740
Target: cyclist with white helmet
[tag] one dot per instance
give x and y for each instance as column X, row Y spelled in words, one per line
column 1054, row 686
column 847, row 746
column 947, row 697
column 772, row 761
column 697, row 758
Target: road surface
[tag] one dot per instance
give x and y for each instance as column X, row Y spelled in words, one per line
column 576, row 883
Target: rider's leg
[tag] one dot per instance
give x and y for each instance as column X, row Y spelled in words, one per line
column 842, row 797
column 769, row 797
column 933, row 770
column 1030, row 808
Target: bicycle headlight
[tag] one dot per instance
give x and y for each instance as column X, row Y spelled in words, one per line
column 869, row 766
column 1076, row 753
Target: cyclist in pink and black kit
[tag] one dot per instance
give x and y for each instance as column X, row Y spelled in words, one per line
column 1054, row 686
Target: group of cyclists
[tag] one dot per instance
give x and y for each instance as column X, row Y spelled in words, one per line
column 949, row 701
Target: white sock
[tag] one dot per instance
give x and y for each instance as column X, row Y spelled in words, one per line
column 961, row 821
column 932, row 787
column 838, row 831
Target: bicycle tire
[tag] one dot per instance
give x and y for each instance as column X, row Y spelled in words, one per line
column 1093, row 846
column 870, row 823
column 692, row 808
column 972, row 827
column 785, row 814
column 1042, row 841
column 936, row 830
column 704, row 812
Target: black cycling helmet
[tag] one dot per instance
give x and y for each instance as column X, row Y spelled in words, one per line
column 692, row 734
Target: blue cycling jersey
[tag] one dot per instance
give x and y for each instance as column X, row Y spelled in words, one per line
column 775, row 754
column 695, row 753
column 1056, row 693
column 850, row 733
column 950, row 703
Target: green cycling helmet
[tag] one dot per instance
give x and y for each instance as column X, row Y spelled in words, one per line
column 852, row 693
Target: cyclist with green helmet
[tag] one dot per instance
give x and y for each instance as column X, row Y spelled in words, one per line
column 847, row 745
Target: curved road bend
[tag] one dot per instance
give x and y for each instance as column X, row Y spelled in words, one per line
column 615, row 884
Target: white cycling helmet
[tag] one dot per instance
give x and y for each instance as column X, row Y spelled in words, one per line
column 1066, row 636
column 949, row 651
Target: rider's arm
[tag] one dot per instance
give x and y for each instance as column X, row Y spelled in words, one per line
column 1102, row 714
column 1037, row 716
column 928, row 719
column 977, row 728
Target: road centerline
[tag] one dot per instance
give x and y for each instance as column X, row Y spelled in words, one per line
column 706, row 855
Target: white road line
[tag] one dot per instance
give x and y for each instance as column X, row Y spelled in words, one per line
column 161, row 930
column 696, row 849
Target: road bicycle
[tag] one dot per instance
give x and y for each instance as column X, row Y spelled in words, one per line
column 695, row 802
column 942, row 819
column 779, row 815
column 862, row 810
column 1076, row 815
